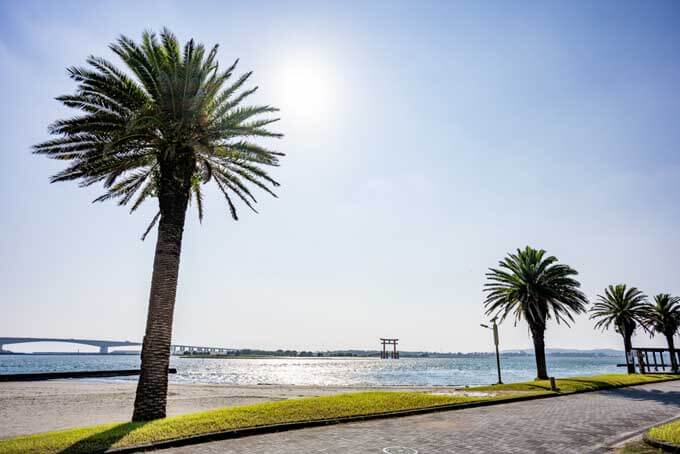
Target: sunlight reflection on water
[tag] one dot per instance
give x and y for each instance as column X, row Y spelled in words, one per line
column 325, row 371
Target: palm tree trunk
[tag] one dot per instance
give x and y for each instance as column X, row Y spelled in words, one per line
column 671, row 348
column 538, row 336
column 628, row 347
column 152, row 388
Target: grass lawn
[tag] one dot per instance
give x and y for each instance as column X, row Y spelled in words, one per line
column 102, row 437
column 670, row 433
column 580, row 384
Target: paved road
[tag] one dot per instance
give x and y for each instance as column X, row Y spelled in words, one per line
column 571, row 424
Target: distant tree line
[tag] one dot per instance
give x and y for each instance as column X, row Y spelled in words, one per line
column 375, row 353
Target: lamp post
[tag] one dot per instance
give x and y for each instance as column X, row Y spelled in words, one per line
column 494, row 328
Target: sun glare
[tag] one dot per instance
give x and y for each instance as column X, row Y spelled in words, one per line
column 307, row 90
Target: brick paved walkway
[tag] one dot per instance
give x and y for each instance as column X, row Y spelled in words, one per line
column 580, row 423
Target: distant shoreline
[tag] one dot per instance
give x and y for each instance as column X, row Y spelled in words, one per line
column 333, row 355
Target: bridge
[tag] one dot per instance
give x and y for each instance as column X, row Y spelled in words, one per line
column 105, row 345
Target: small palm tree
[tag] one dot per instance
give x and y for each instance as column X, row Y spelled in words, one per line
column 159, row 129
column 536, row 288
column 663, row 317
column 625, row 309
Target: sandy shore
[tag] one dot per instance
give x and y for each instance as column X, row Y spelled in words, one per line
column 30, row 407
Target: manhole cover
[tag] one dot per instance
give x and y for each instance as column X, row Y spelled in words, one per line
column 399, row 450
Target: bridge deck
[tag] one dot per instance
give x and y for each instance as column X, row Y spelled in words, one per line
column 104, row 345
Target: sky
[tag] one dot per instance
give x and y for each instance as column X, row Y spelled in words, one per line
column 424, row 141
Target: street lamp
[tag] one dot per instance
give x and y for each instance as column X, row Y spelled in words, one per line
column 494, row 328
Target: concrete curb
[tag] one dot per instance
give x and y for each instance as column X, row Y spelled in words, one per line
column 656, row 443
column 637, row 434
column 260, row 430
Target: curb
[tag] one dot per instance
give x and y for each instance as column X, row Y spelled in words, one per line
column 656, row 443
column 260, row 430
column 637, row 434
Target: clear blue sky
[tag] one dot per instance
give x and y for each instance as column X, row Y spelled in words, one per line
column 424, row 142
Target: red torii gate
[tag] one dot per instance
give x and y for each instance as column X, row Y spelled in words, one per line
column 385, row 354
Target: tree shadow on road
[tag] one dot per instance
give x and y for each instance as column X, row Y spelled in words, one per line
column 657, row 395
column 104, row 440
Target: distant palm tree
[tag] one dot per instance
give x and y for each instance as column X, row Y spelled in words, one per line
column 535, row 288
column 663, row 317
column 625, row 309
column 166, row 124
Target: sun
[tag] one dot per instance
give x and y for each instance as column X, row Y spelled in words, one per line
column 307, row 90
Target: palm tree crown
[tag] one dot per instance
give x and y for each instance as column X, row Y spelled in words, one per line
column 664, row 315
column 620, row 306
column 175, row 106
column 534, row 287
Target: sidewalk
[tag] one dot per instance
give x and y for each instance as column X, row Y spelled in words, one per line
column 578, row 423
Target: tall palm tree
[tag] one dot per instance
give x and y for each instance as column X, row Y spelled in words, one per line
column 664, row 317
column 625, row 309
column 161, row 127
column 536, row 288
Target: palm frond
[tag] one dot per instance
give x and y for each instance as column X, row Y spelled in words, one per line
column 622, row 307
column 167, row 104
column 530, row 286
column 663, row 315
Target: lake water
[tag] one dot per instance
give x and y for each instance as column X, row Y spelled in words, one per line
column 325, row 371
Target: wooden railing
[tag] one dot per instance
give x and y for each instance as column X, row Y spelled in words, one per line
column 654, row 360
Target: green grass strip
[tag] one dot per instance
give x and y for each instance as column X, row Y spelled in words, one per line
column 580, row 384
column 101, row 437
column 667, row 433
